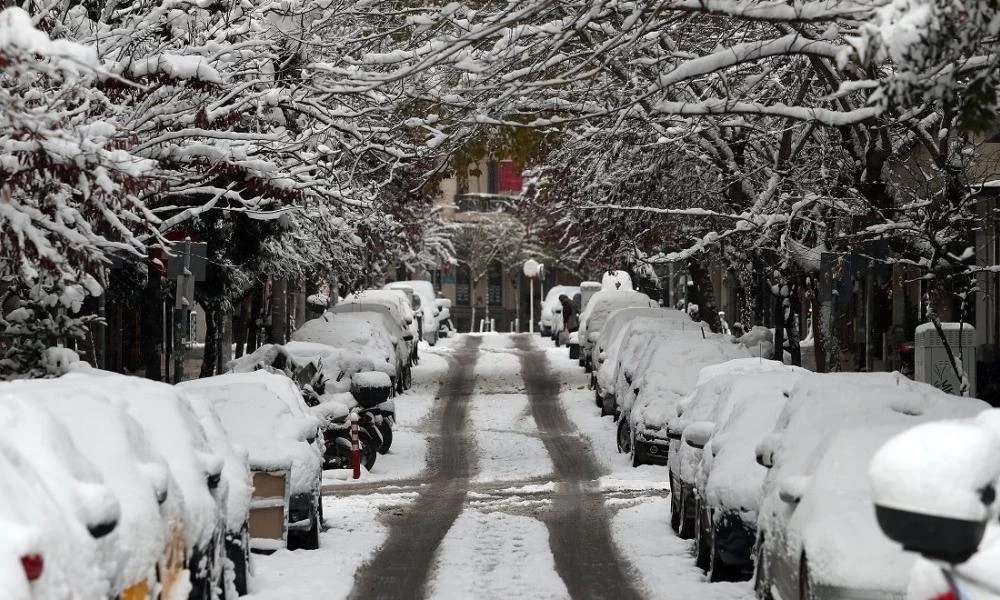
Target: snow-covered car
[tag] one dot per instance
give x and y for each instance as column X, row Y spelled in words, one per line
column 173, row 429
column 147, row 550
column 236, row 488
column 44, row 552
column 42, row 445
column 816, row 489
column 944, row 476
column 621, row 326
column 601, row 305
column 696, row 416
column 398, row 330
column 550, row 322
column 671, row 371
column 362, row 332
column 331, row 368
column 265, row 414
column 428, row 310
column 728, row 479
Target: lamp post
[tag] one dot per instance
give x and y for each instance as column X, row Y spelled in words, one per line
column 531, row 268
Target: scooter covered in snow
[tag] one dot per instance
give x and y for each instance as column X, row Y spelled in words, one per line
column 369, row 400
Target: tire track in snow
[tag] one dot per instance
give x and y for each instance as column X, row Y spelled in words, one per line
column 400, row 569
column 579, row 534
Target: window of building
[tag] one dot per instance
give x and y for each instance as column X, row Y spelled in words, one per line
column 495, row 282
column 509, row 179
column 463, row 287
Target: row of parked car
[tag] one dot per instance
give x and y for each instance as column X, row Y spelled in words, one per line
column 768, row 463
column 120, row 487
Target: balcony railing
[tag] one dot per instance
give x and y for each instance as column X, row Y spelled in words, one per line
column 485, row 202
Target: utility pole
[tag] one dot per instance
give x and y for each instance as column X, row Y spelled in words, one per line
column 186, row 268
column 182, row 302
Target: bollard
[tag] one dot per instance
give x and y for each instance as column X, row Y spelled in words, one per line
column 355, row 447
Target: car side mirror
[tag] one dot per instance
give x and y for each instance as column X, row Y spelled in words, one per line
column 764, row 452
column 698, row 433
column 792, row 488
column 408, row 337
column 675, row 431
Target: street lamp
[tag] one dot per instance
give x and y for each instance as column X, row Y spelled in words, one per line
column 531, row 269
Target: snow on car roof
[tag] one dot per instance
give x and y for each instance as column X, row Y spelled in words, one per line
column 361, row 331
column 172, row 428
column 678, row 357
column 265, row 413
column 604, row 302
column 639, row 318
column 632, row 338
column 712, row 400
column 823, row 403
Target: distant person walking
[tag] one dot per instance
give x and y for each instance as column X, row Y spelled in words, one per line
column 571, row 322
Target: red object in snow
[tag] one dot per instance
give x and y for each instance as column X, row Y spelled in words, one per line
column 33, row 566
column 509, row 179
column 355, row 447
column 949, row 595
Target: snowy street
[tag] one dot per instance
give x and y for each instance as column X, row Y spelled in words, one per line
column 521, row 497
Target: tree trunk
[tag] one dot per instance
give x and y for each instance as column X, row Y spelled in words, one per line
column 225, row 341
column 239, row 329
column 210, row 357
column 151, row 332
column 792, row 327
column 705, row 294
column 279, row 311
column 254, row 322
column 819, row 335
column 779, row 328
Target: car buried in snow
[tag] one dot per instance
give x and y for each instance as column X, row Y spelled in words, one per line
column 362, row 332
column 600, row 307
column 695, row 417
column 668, row 371
column 727, row 478
column 425, row 306
column 404, row 341
column 623, row 326
column 266, row 414
column 149, row 543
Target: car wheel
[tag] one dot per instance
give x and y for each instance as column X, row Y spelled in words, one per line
column 636, row 457
column 624, row 437
column 369, row 449
column 702, row 547
column 761, row 578
column 805, row 585
column 608, row 406
column 238, row 552
column 597, row 398
column 310, row 539
column 386, row 430
column 675, row 518
column 686, row 531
